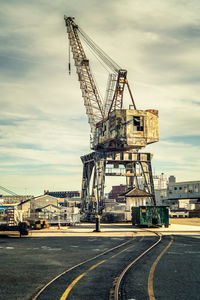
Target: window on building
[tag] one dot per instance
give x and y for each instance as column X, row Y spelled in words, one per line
column 138, row 123
column 175, row 188
column 190, row 189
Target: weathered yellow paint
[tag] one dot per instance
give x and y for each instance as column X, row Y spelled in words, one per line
column 151, row 273
column 127, row 129
column 70, row 287
column 121, row 252
column 68, row 290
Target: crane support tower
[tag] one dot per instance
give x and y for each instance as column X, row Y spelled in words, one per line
column 117, row 133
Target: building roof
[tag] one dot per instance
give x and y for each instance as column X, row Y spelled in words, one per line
column 136, row 193
column 184, row 182
column 58, row 207
column 38, row 197
column 63, row 194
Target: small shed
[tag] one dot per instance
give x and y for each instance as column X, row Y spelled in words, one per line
column 135, row 197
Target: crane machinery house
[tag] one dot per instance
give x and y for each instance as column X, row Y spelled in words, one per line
column 127, row 129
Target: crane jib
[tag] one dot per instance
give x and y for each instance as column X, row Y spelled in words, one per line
column 114, row 92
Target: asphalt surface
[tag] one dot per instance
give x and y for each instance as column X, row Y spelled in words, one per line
column 176, row 274
column 28, row 263
column 97, row 283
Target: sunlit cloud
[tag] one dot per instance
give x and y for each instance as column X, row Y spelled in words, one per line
column 43, row 124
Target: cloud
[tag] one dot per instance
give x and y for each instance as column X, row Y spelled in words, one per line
column 179, row 158
column 43, row 124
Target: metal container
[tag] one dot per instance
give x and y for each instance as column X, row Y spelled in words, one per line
column 150, row 216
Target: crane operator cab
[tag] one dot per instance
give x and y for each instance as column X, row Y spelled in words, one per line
column 127, row 129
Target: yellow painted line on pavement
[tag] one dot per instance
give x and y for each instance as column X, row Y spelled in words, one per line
column 65, row 294
column 141, row 239
column 68, row 290
column 121, row 252
column 93, row 267
column 151, row 273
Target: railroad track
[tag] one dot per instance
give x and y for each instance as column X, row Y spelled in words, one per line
column 36, row 296
column 114, row 293
column 107, row 256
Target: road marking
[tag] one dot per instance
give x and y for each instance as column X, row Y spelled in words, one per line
column 93, row 267
column 65, row 294
column 68, row 290
column 120, row 252
column 141, row 239
column 151, row 273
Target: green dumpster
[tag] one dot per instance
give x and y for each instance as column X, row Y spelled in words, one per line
column 150, row 216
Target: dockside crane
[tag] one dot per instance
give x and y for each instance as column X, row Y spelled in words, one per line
column 117, row 133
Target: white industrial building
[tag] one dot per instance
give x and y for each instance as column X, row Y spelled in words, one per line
column 183, row 190
column 183, row 197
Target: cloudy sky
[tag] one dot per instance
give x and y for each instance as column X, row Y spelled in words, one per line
column 43, row 125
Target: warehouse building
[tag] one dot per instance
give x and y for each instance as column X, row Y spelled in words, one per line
column 183, row 190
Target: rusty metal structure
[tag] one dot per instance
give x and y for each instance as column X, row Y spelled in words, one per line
column 117, row 133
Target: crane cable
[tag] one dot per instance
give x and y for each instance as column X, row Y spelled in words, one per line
column 8, row 191
column 102, row 62
column 105, row 58
column 97, row 57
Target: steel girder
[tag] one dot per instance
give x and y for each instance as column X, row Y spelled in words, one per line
column 136, row 168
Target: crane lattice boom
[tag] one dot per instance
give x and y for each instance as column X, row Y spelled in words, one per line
column 92, row 100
